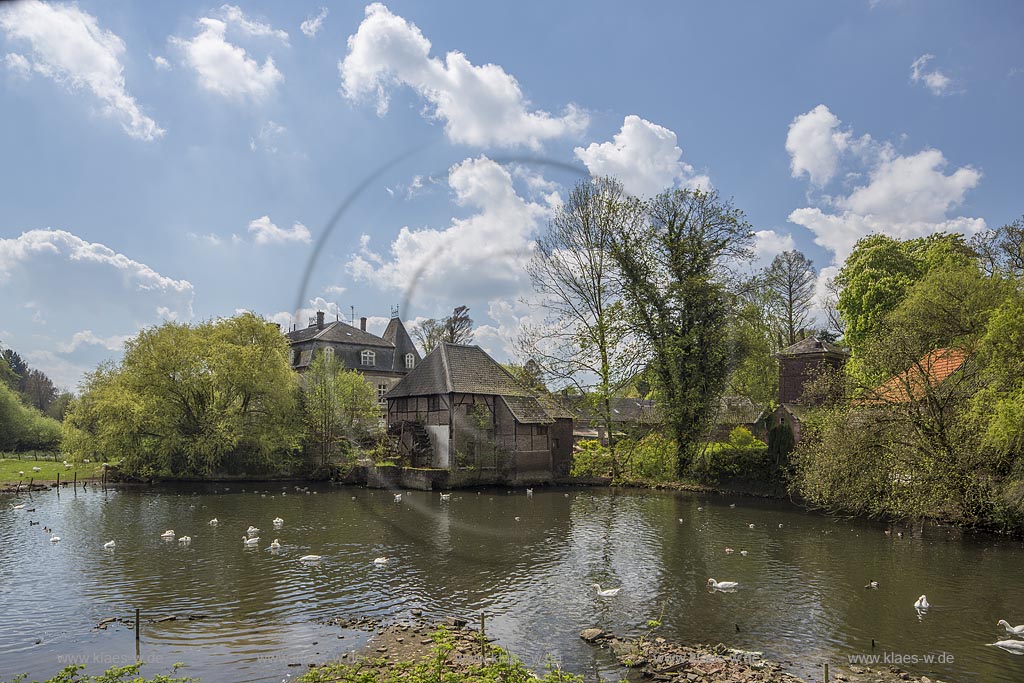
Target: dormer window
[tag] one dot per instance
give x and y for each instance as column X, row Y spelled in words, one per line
column 368, row 357
column 410, row 360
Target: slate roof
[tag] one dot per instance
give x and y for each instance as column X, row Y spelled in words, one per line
column 337, row 332
column 453, row 368
column 632, row 410
column 738, row 410
column 813, row 345
column 527, row 410
column 397, row 335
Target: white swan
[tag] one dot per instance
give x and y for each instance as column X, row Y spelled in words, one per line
column 381, row 560
column 214, row 522
column 1012, row 630
column 185, row 540
column 874, row 584
column 722, row 585
column 922, row 603
column 529, row 492
column 250, row 542
column 275, row 544
column 55, row 539
column 309, row 558
column 167, row 534
column 751, row 526
column 743, row 553
column 109, row 545
column 729, row 551
column 398, row 497
column 278, row 521
column 19, row 507
column 444, row 496
column 252, row 530
column 1015, row 647
column 607, row 592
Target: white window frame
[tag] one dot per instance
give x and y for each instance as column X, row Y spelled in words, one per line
column 367, row 357
column 410, row 360
column 382, row 390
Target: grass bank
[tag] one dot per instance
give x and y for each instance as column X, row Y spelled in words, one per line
column 14, row 469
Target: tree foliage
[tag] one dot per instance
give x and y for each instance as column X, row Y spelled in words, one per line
column 217, row 397
column 456, row 328
column 23, row 427
column 341, row 409
column 584, row 340
column 674, row 269
column 934, row 424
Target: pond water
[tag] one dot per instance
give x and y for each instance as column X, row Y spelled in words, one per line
column 528, row 562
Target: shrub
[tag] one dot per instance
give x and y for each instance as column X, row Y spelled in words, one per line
column 591, row 459
column 742, row 456
column 651, row 458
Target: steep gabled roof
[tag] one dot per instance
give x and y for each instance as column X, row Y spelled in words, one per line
column 339, row 333
column 527, row 410
column 453, row 368
column 397, row 335
column 912, row 384
column 813, row 345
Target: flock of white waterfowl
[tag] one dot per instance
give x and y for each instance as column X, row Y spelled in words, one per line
column 251, row 539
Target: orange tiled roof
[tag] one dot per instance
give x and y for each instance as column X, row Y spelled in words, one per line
column 930, row 371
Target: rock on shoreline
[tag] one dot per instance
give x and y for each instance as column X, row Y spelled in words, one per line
column 661, row 660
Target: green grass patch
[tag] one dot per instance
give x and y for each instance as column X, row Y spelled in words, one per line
column 11, row 469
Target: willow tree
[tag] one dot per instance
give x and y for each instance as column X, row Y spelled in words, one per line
column 674, row 269
column 192, row 401
column 584, row 340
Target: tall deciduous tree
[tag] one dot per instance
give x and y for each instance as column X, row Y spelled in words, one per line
column 789, row 281
column 584, row 340
column 674, row 270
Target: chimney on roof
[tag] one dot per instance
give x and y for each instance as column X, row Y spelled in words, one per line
column 319, row 320
column 362, row 323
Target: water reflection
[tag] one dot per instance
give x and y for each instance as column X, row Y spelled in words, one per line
column 801, row 593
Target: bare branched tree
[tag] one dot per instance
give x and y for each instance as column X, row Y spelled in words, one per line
column 790, row 281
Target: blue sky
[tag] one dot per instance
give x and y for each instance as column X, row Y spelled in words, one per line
column 181, row 160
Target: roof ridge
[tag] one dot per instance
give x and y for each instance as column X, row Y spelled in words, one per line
column 447, row 368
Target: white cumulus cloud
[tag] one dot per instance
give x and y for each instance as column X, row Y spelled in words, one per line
column 226, row 68
column 69, row 47
column 815, row 143
column 265, row 232
column 903, row 195
column 478, row 256
column 312, row 25
column 933, row 79
column 18, row 65
column 480, row 105
column 644, row 156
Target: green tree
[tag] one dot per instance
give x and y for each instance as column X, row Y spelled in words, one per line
column 674, row 269
column 341, row 409
column 755, row 374
column 192, row 401
column 23, row 427
column 584, row 340
column 881, row 270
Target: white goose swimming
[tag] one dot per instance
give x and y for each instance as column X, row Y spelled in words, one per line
column 252, row 531
column 278, row 521
column 1012, row 630
column 922, row 604
column 444, row 496
column 55, row 539
column 185, row 540
column 606, row 592
column 309, row 558
column 1014, row 647
column 109, row 545
column 250, row 542
column 168, row 534
column 722, row 585
column 398, row 497
column 275, row 545
column 214, row 522
column 380, row 560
